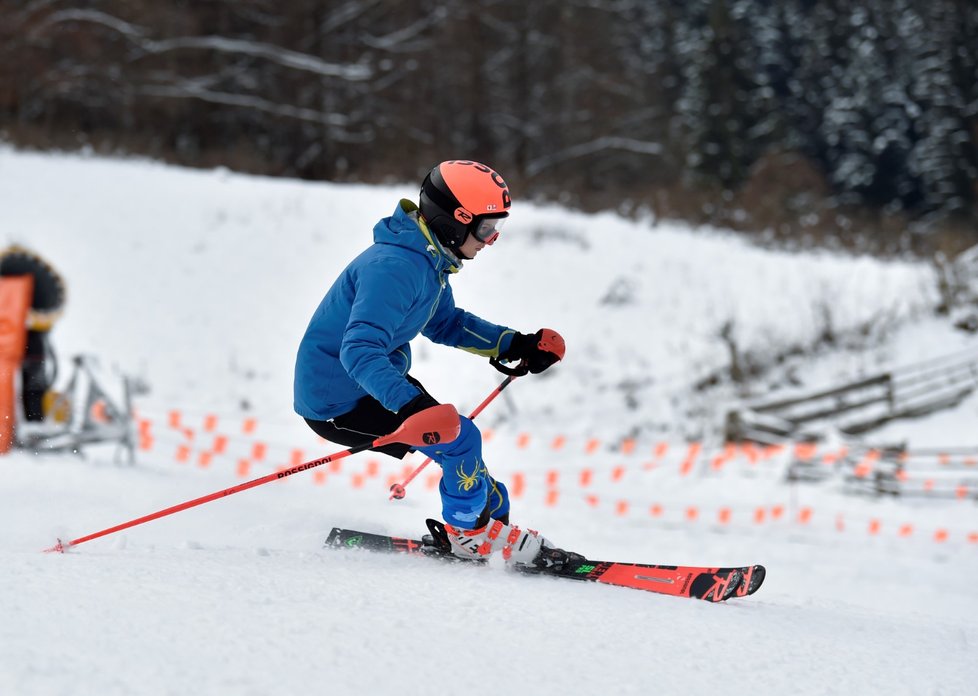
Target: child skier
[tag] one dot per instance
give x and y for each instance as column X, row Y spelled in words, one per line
column 351, row 376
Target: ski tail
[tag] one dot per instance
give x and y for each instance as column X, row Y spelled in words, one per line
column 352, row 539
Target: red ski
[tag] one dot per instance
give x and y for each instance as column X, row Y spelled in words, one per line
column 710, row 584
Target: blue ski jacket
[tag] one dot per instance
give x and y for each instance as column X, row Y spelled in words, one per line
column 357, row 342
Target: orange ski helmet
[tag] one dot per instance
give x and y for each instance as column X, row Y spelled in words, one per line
column 459, row 198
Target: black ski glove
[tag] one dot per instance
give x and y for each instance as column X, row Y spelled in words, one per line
column 419, row 403
column 536, row 351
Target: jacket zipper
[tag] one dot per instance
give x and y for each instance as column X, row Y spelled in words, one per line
column 441, row 287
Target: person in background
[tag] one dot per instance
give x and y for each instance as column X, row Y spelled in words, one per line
column 39, row 367
column 352, row 380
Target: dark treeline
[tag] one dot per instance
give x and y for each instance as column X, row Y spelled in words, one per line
column 804, row 117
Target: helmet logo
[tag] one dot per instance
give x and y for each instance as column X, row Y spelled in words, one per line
column 463, row 215
column 493, row 175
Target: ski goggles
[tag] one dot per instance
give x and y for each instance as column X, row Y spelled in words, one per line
column 487, row 229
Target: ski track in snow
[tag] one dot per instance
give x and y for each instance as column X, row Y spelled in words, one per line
column 238, row 597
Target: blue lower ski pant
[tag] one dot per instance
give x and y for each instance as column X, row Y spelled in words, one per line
column 466, row 487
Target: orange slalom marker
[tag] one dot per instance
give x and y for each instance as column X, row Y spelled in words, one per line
column 244, row 468
column 805, row 515
column 210, row 423
column 627, row 446
column 174, row 419
column 259, row 451
column 248, row 426
column 905, row 530
column 655, row 510
column 691, row 454
column 586, row 476
column 692, row 513
column 874, row 527
column 724, row 515
column 183, row 454
column 805, row 451
column 518, row 486
column 617, row 473
column 552, row 497
column 830, row 458
column 99, row 412
column 592, row 446
column 553, row 476
column 220, row 444
column 558, row 443
column 204, row 460
column 297, row 457
column 941, row 535
column 621, row 509
column 865, row 467
column 523, row 440
column 319, row 477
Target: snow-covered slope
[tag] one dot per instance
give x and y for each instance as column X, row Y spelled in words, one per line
column 203, row 283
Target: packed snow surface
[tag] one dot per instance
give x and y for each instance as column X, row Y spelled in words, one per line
column 201, row 283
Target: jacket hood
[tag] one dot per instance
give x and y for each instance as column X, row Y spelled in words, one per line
column 406, row 229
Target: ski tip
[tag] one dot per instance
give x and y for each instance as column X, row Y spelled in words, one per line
column 753, row 579
column 735, row 580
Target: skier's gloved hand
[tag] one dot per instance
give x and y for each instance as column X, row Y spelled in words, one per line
column 419, row 403
column 537, row 351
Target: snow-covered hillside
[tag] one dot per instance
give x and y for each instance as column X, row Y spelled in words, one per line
column 202, row 283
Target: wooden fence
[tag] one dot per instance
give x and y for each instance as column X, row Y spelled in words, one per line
column 859, row 406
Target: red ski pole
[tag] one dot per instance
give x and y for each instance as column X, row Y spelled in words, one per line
column 397, row 489
column 436, row 424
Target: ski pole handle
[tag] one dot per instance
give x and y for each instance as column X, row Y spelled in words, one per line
column 549, row 343
column 398, row 489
